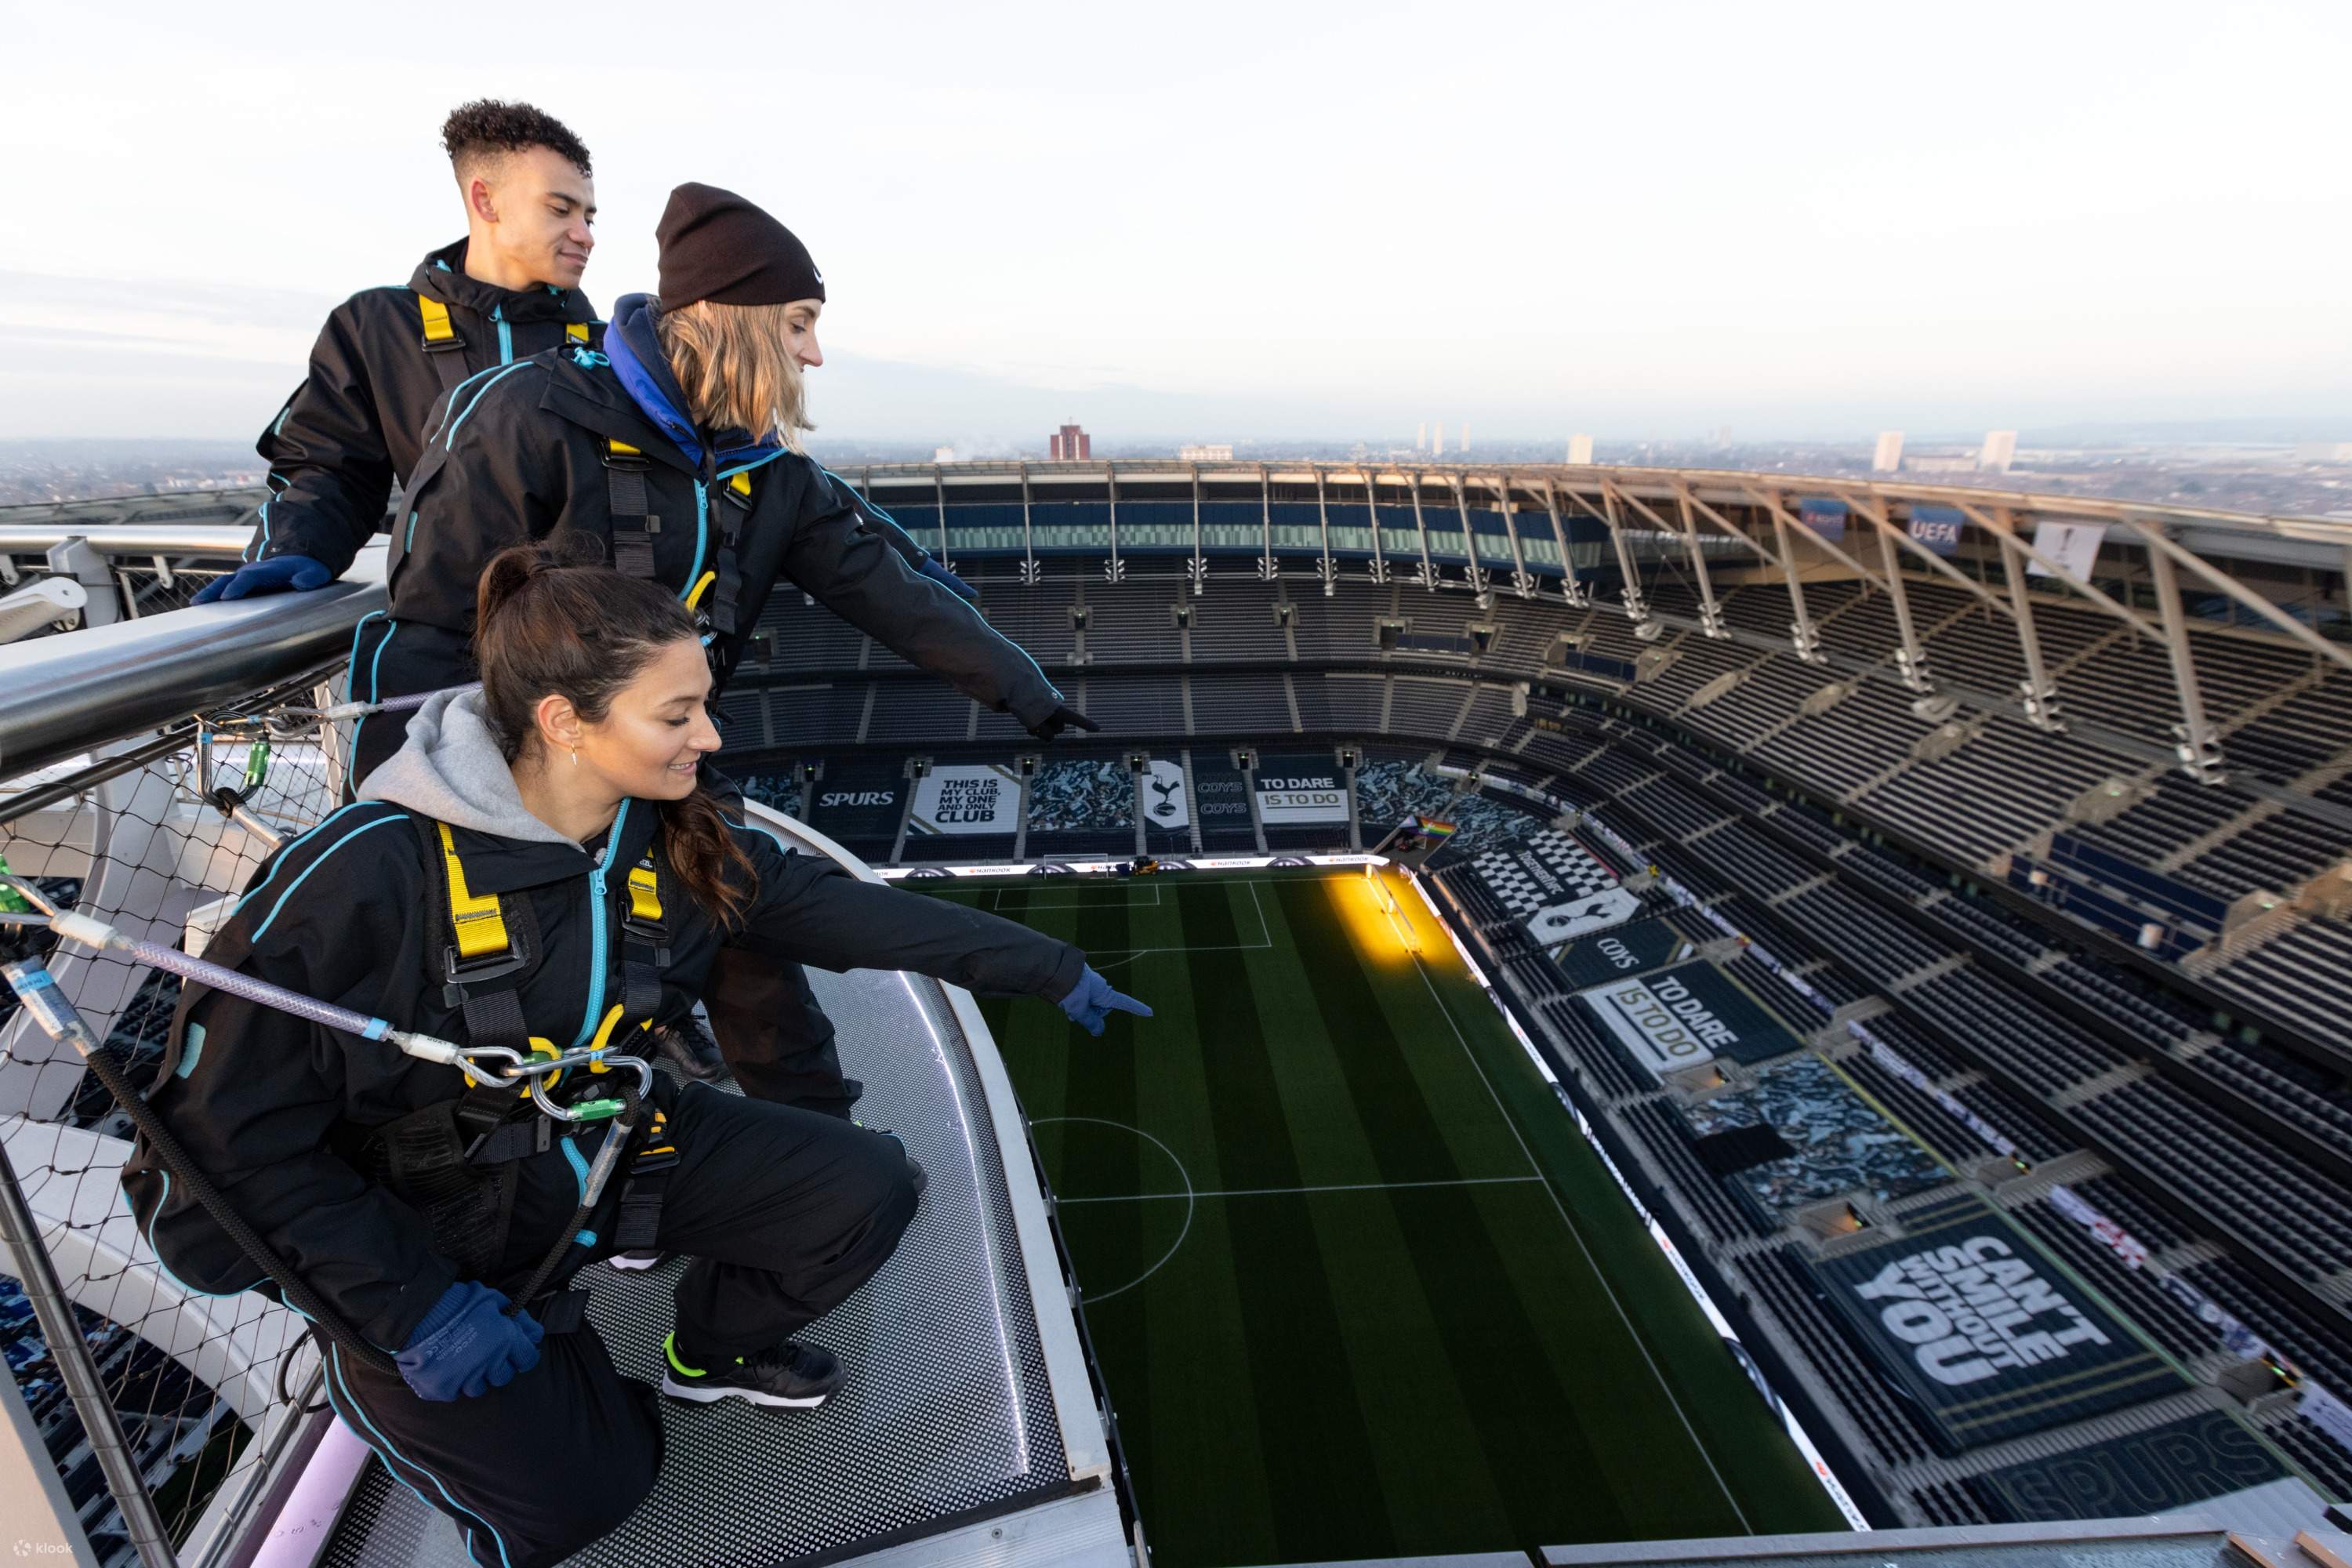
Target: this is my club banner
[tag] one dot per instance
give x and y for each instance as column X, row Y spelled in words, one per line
column 967, row 800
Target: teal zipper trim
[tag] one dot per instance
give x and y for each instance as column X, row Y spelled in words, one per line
column 596, row 924
column 506, row 334
column 701, row 537
column 702, row 516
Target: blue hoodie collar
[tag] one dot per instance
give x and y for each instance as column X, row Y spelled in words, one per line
column 644, row 370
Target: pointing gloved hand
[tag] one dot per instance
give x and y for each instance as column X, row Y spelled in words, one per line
column 946, row 579
column 466, row 1345
column 1091, row 1001
column 274, row 575
column 1060, row 719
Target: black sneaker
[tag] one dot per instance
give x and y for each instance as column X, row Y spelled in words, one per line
column 688, row 1047
column 790, row 1377
column 917, row 1176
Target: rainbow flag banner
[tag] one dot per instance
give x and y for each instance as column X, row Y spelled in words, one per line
column 1434, row 827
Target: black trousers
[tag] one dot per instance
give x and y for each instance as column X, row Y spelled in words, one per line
column 776, row 1039
column 783, row 1213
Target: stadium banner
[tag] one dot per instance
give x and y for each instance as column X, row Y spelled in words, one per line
column 1824, row 517
column 860, row 800
column 1799, row 1134
column 2073, row 545
column 1220, row 797
column 1553, row 887
column 1080, row 796
column 1937, row 527
column 1165, row 806
column 2161, row 1471
column 2328, row 1412
column 1987, row 1342
column 1628, row 950
column 1301, row 787
column 1686, row 1018
column 1884, row 1056
column 1690, row 1016
column 966, row 800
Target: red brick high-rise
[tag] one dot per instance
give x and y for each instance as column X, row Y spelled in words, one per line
column 1070, row 444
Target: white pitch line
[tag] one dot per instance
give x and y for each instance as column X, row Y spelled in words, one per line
column 1333, row 1187
column 1591, row 1261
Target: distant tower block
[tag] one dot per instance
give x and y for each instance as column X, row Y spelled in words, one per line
column 1888, row 459
column 1579, row 448
column 1070, row 444
column 1466, row 435
column 944, row 454
column 2000, row 451
column 1437, row 439
column 1420, row 437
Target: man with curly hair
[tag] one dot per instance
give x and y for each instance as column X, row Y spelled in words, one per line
column 508, row 289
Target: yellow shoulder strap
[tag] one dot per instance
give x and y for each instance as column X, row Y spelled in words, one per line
column 480, row 929
column 644, row 893
column 436, row 316
column 576, row 330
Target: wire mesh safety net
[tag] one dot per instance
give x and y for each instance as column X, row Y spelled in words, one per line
column 193, row 1380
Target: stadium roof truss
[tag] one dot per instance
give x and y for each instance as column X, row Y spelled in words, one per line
column 1718, row 526
column 1753, row 523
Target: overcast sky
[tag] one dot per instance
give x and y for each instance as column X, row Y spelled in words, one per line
column 1216, row 221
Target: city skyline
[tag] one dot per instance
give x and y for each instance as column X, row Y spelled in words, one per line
column 1825, row 274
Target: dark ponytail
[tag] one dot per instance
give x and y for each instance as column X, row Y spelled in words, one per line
column 552, row 619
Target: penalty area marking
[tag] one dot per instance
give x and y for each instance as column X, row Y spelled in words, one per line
column 1084, row 1299
column 1264, row 940
column 1130, row 900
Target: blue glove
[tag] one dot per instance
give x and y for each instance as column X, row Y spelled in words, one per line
column 1092, row 1000
column 949, row 580
column 466, row 1345
column 274, row 575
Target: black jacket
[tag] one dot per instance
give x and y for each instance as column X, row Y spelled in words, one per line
column 523, row 452
column 356, row 426
column 347, row 912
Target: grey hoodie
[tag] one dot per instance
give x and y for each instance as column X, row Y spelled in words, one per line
column 451, row 770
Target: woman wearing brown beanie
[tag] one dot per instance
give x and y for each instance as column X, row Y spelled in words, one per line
column 678, row 449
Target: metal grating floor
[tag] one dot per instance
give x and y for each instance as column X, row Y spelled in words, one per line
column 947, row 1413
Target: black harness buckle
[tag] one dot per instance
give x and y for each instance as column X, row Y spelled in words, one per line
column 456, row 973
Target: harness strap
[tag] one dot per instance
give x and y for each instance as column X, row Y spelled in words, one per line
column 636, row 1224
column 488, row 954
column 736, row 508
column 480, row 926
column 443, row 345
column 633, row 523
column 562, row 1314
column 645, row 943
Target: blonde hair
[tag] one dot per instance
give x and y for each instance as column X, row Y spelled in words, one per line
column 735, row 365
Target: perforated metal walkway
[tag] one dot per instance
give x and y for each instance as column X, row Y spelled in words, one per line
column 948, row 1441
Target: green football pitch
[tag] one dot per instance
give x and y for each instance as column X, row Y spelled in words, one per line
column 1358, row 1285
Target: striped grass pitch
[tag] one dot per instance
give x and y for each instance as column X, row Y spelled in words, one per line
column 1358, row 1288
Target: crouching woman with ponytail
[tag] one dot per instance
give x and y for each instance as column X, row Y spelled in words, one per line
column 537, row 862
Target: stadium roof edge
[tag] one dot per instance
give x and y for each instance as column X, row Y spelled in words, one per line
column 1725, row 484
